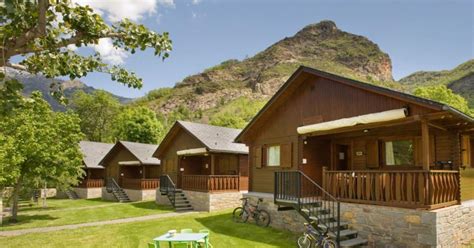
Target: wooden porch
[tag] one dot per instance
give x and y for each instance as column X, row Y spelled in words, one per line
column 214, row 183
column 140, row 183
column 400, row 188
column 91, row 183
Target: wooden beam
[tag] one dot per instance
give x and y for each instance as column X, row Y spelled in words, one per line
column 425, row 144
column 437, row 126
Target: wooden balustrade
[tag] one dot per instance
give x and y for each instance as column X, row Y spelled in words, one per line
column 408, row 188
column 214, row 183
column 140, row 183
column 91, row 183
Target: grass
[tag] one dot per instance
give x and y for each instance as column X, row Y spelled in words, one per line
column 64, row 212
column 224, row 233
column 467, row 184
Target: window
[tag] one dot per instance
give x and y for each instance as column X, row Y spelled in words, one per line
column 273, row 156
column 399, row 152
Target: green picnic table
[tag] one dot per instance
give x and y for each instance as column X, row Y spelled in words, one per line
column 183, row 237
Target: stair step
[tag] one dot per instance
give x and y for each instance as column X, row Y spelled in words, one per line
column 321, row 217
column 343, row 233
column 353, row 242
column 189, row 208
column 333, row 225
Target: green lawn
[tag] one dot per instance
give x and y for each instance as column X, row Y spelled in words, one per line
column 467, row 184
column 224, row 233
column 63, row 212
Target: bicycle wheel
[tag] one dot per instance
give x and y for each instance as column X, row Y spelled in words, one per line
column 240, row 215
column 329, row 243
column 262, row 218
column 304, row 242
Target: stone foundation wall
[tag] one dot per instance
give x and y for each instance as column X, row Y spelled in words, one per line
column 202, row 201
column 140, row 195
column 455, row 225
column 88, row 193
column 161, row 199
column 389, row 226
column 107, row 196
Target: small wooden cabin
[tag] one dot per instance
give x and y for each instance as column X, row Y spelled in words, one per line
column 200, row 157
column 132, row 165
column 93, row 153
column 361, row 142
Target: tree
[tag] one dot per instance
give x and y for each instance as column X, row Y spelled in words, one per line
column 138, row 124
column 97, row 111
column 40, row 32
column 443, row 94
column 40, row 146
column 237, row 113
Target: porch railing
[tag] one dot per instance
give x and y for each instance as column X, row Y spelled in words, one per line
column 214, row 183
column 140, row 183
column 91, row 183
column 407, row 188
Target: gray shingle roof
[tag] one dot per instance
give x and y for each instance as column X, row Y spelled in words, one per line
column 143, row 152
column 93, row 153
column 215, row 138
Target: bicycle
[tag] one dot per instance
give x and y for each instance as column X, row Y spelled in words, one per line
column 242, row 214
column 315, row 237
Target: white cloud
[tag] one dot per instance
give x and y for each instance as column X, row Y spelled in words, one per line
column 71, row 47
column 116, row 10
column 109, row 53
column 167, row 3
column 194, row 15
column 195, row 2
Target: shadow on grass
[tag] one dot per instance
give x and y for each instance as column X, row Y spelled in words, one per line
column 25, row 219
column 224, row 225
column 150, row 205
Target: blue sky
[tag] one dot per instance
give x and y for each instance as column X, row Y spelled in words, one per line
column 417, row 34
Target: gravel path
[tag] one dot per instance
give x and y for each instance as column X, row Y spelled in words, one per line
column 98, row 223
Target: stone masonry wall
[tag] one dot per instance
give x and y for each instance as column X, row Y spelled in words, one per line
column 455, row 225
column 202, row 201
column 140, row 195
column 88, row 193
column 389, row 226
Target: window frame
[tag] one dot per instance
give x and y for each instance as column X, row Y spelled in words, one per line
column 384, row 154
column 267, row 155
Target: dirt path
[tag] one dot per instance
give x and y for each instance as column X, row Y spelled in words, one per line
column 98, row 223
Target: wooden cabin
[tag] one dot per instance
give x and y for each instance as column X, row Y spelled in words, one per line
column 93, row 179
column 204, row 158
column 360, row 142
column 132, row 166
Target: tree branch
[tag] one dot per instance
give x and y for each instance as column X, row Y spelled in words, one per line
column 16, row 66
column 43, row 7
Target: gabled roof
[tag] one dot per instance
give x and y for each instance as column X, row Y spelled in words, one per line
column 93, row 153
column 303, row 70
column 142, row 152
column 214, row 138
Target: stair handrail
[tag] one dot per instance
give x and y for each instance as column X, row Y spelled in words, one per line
column 168, row 187
column 303, row 199
column 111, row 185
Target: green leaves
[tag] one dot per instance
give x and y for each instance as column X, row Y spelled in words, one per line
column 43, row 40
column 442, row 94
column 138, row 124
column 39, row 144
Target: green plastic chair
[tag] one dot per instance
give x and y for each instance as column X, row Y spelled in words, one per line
column 151, row 245
column 202, row 242
column 187, row 230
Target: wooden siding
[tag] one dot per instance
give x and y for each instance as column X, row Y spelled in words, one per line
column 112, row 167
column 309, row 100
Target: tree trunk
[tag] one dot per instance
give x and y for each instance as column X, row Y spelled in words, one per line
column 16, row 196
column 45, row 191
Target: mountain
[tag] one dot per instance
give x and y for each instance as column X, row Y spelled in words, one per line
column 459, row 79
column 321, row 45
column 40, row 83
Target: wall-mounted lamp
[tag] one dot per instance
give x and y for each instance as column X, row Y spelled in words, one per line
column 141, row 171
column 207, row 166
column 366, row 130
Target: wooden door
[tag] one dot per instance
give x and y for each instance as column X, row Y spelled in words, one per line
column 342, row 158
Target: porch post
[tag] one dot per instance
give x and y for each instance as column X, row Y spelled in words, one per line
column 324, row 177
column 212, row 164
column 425, row 145
column 143, row 172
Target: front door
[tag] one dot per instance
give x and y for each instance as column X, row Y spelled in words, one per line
column 342, row 157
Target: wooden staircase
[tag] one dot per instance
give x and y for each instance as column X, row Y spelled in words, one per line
column 177, row 197
column 71, row 194
column 296, row 191
column 113, row 188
